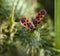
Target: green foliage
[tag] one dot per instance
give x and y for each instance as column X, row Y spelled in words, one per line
column 34, row 42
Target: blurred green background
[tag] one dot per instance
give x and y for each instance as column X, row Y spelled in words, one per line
column 16, row 40
column 57, row 23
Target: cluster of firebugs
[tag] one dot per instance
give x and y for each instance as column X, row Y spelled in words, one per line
column 31, row 24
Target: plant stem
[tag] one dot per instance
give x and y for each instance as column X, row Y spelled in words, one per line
column 12, row 17
column 32, row 52
column 12, row 21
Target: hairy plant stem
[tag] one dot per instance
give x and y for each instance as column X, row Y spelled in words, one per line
column 12, row 22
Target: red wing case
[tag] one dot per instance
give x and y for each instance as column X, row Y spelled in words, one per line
column 25, row 22
column 39, row 17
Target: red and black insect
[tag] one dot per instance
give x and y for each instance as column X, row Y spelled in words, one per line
column 31, row 25
column 27, row 23
column 39, row 17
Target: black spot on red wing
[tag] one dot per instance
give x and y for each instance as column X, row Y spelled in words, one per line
column 27, row 20
column 30, row 25
column 41, row 16
column 43, row 12
column 25, row 24
column 22, row 20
